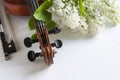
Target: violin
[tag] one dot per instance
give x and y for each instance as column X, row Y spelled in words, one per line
column 18, row 7
column 18, row 1
column 47, row 51
column 15, row 1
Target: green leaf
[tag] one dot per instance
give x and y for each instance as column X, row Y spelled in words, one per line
column 45, row 5
column 41, row 13
column 31, row 24
column 34, row 36
column 51, row 25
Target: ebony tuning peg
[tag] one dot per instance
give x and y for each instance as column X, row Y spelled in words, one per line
column 28, row 42
column 55, row 30
column 32, row 55
column 57, row 43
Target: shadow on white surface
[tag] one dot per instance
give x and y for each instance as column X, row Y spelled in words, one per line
column 80, row 58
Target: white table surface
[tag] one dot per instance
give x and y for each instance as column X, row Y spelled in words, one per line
column 96, row 58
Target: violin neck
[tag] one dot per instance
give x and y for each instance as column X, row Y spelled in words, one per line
column 33, row 5
column 40, row 26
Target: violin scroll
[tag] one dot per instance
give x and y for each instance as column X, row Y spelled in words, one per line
column 47, row 51
column 28, row 41
column 32, row 55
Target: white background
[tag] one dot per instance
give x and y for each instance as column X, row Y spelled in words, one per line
column 92, row 58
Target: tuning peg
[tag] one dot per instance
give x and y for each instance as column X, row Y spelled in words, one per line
column 28, row 42
column 57, row 43
column 55, row 30
column 32, row 55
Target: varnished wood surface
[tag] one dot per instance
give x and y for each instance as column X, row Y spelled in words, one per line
column 17, row 7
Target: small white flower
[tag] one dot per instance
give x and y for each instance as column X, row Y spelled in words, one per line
column 98, row 13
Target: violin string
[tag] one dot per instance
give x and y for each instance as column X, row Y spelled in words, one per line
column 36, row 5
column 29, row 4
column 32, row 9
column 33, row 4
column 41, row 26
column 45, row 35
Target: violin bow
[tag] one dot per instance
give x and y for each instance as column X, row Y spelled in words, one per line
column 9, row 43
column 47, row 52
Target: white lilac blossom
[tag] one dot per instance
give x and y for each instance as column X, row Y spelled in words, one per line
column 98, row 14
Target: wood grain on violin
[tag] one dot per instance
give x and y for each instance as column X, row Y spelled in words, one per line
column 16, row 1
column 18, row 7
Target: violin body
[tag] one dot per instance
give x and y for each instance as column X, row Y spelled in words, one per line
column 18, row 7
column 15, row 1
